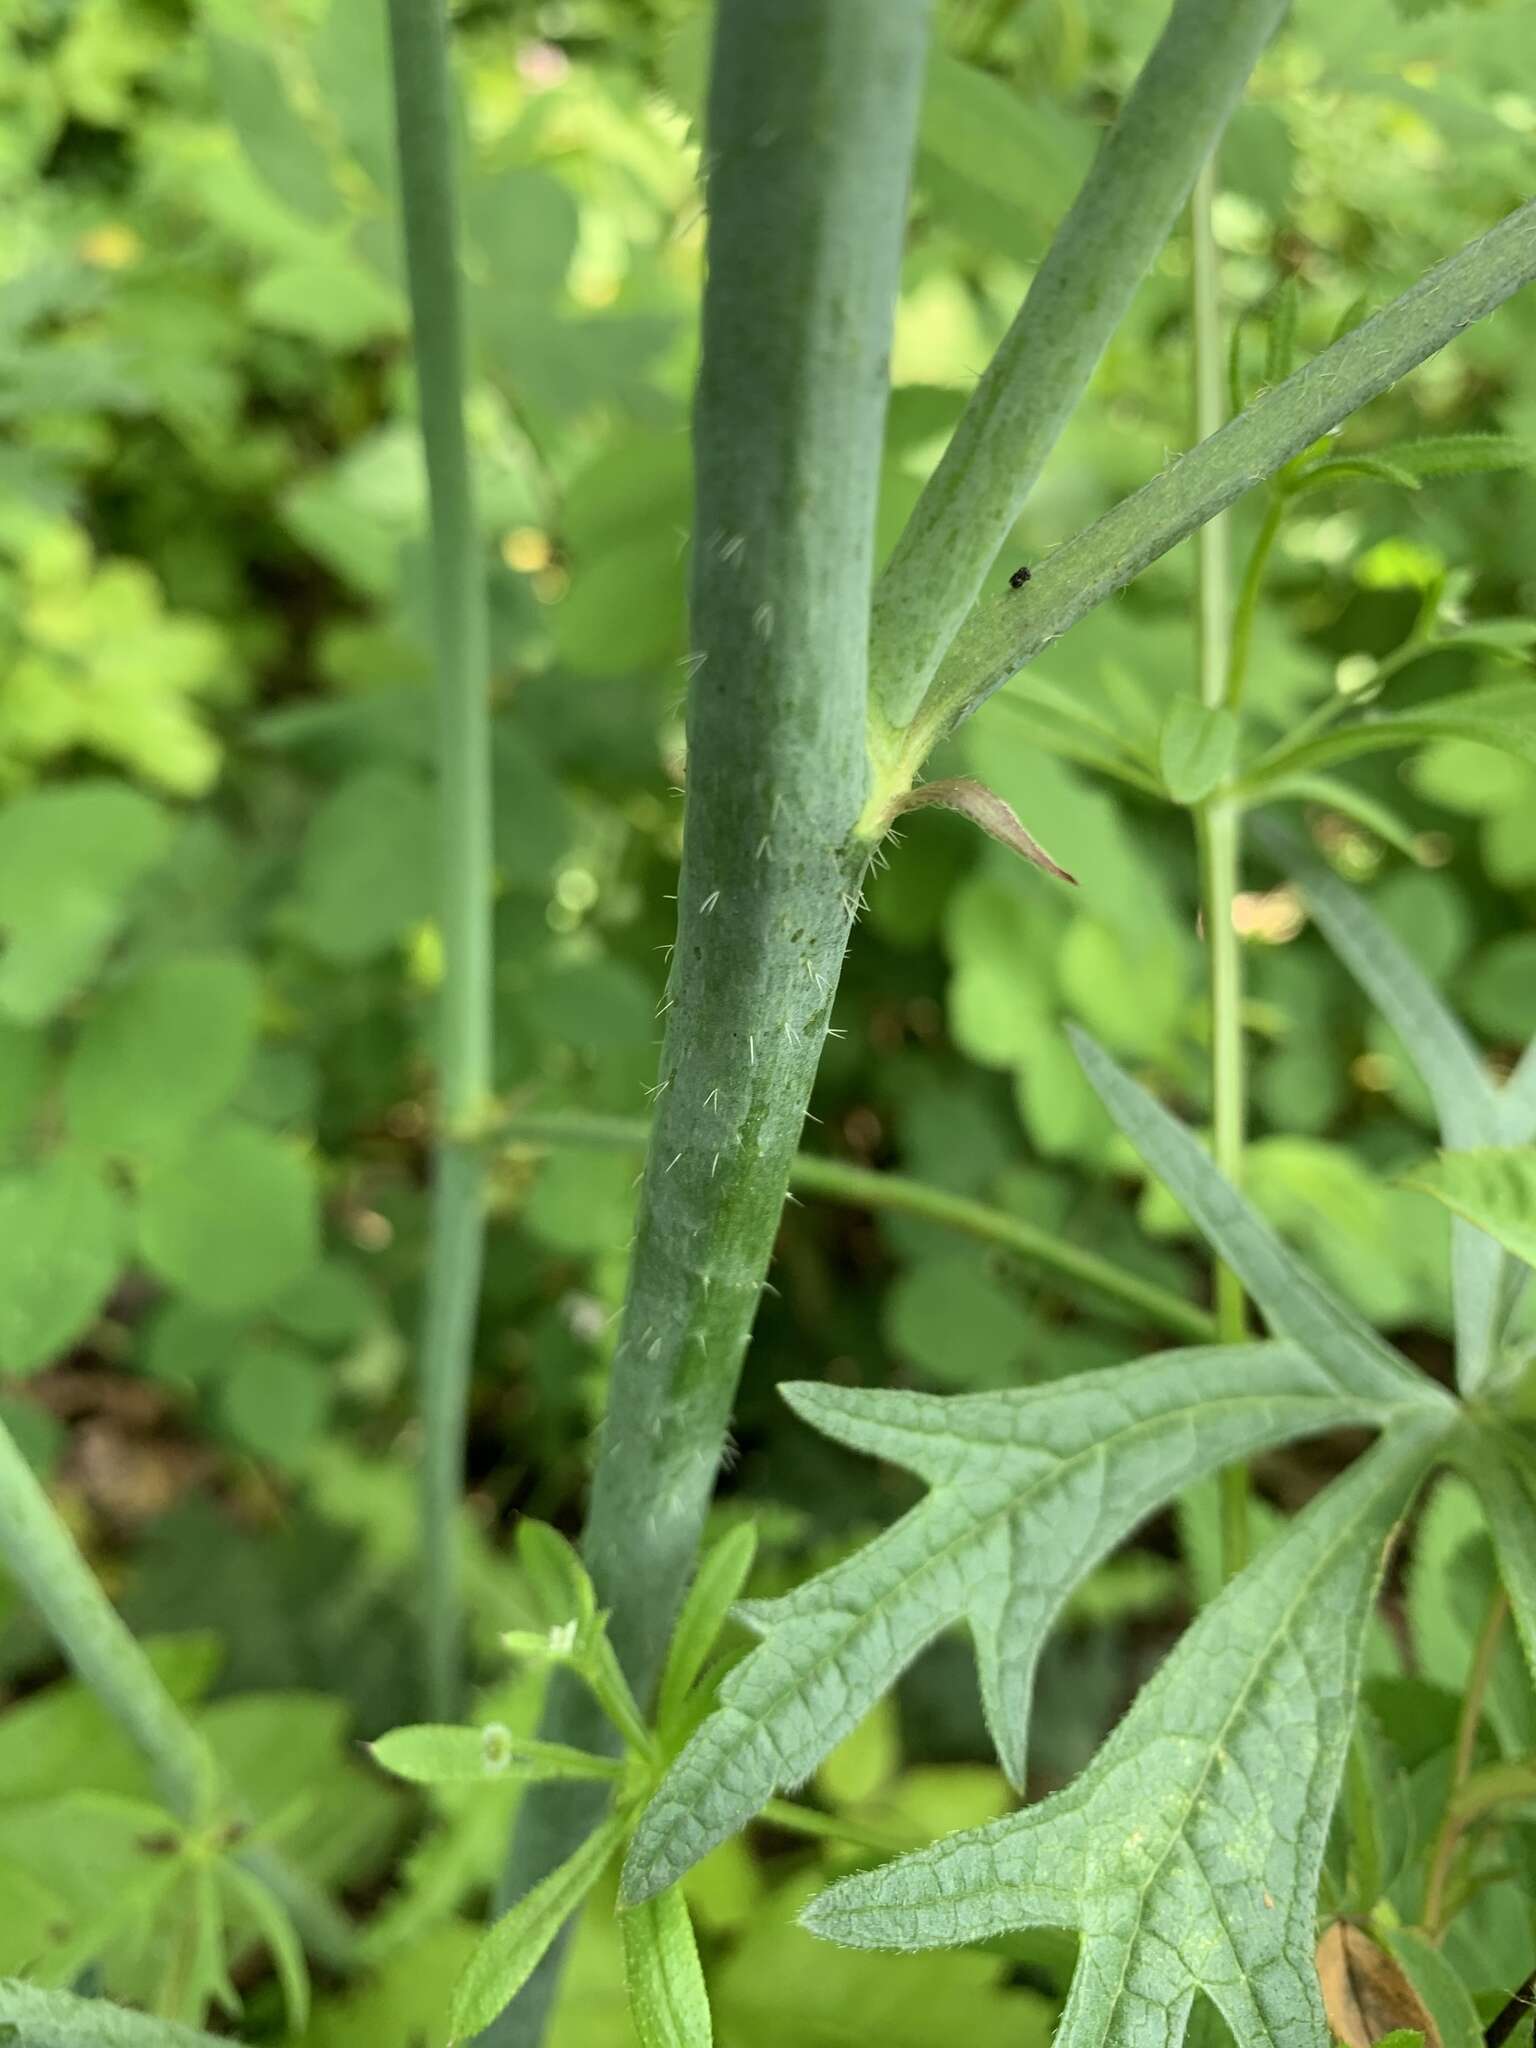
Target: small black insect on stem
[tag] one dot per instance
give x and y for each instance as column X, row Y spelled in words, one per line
column 1018, row 579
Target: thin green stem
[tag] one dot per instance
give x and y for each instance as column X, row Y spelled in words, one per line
column 1454, row 1820
column 1001, row 637
column 44, row 1560
column 1104, row 247
column 1248, row 599
column 1211, row 543
column 861, row 1188
column 424, row 137
column 1321, row 717
column 829, row 1827
column 1217, row 824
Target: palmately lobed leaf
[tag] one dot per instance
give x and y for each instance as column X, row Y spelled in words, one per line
column 1029, row 1490
column 1188, row 1853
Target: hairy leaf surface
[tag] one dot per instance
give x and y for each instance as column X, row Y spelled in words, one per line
column 1029, row 1491
column 1188, row 1853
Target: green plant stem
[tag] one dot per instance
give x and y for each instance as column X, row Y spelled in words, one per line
column 811, row 126
column 425, row 144
column 1453, row 1821
column 999, row 638
column 34, row 2018
column 861, row 1188
column 44, row 1560
column 1103, row 249
column 1217, row 823
column 829, row 1827
column 1248, row 599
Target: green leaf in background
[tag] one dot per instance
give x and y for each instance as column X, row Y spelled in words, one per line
column 62, row 1241
column 1188, row 1853
column 279, row 143
column 1493, row 1189
column 1471, row 1112
column 1446, row 1998
column 667, row 1999
column 367, row 865
column 1196, row 749
column 1294, row 1300
column 510, row 1951
column 70, row 858
column 1499, row 715
column 1461, row 454
column 1501, row 1471
column 435, row 1755
column 273, row 1399
column 231, row 1218
column 1028, row 1491
column 157, row 1057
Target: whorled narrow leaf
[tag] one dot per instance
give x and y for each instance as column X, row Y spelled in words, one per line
column 282, row 1941
column 1447, row 1062
column 668, row 2002
column 1500, row 715
column 1293, row 1299
column 1503, row 1473
column 513, row 1946
column 1187, row 1855
column 1028, row 1491
column 715, row 1590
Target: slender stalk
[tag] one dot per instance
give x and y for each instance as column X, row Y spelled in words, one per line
column 1130, row 199
column 1000, row 637
column 811, row 125
column 1453, row 1822
column 425, row 146
column 1212, row 543
column 44, row 1560
column 1248, row 597
column 33, row 2018
column 860, row 1188
column 830, row 1827
column 1217, row 821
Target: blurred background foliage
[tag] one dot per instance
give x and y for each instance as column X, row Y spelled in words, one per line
column 216, row 843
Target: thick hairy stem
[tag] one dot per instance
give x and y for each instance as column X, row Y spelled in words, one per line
column 44, row 1560
column 425, row 145
column 1100, row 254
column 811, row 122
column 1002, row 635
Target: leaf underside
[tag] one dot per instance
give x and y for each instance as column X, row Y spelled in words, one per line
column 1028, row 1491
column 1188, row 1854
